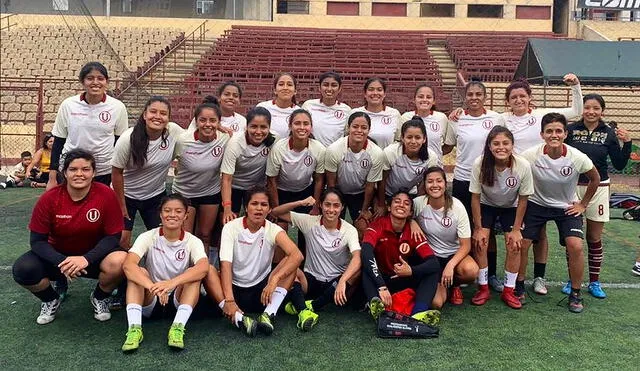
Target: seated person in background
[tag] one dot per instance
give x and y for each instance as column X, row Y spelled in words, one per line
column 18, row 174
column 38, row 171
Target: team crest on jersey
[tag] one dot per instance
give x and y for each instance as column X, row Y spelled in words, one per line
column 164, row 144
column 216, row 151
column 93, row 215
column 336, row 244
column 339, row 115
column 386, row 120
column 365, row 163
column 265, row 152
column 286, row 119
column 235, row 126
column 404, row 248
column 434, row 126
column 180, row 255
column 104, row 116
column 419, row 171
column 531, row 121
column 511, row 182
column 566, row 171
column 446, row 222
column 487, row 124
column 308, row 160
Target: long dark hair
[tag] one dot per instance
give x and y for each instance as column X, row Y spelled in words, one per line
column 139, row 136
column 300, row 111
column 488, row 167
column 448, row 200
column 295, row 83
column 46, row 138
column 433, row 92
column 371, row 81
column 260, row 111
column 416, row 122
column 209, row 102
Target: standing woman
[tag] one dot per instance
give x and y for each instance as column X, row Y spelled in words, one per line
column 501, row 182
column 353, row 164
column 197, row 176
column 385, row 120
column 229, row 95
column 42, row 161
column 245, row 161
column 281, row 108
column 329, row 116
column 435, row 122
column 140, row 164
column 444, row 221
column 92, row 121
column 598, row 140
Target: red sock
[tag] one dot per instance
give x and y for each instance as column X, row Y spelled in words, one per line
column 595, row 255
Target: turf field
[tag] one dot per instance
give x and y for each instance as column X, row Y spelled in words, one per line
column 542, row 335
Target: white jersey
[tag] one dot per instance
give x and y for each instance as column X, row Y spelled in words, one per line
column 404, row 173
column 469, row 135
column 91, row 127
column 508, row 186
column 165, row 260
column 526, row 128
column 443, row 232
column 237, row 123
column 245, row 162
column 555, row 181
column 149, row 180
column 436, row 125
column 295, row 169
column 328, row 121
column 354, row 170
column 250, row 253
column 384, row 124
column 328, row 252
column 279, row 117
column 198, row 170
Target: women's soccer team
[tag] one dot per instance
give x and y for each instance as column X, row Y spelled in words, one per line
column 240, row 181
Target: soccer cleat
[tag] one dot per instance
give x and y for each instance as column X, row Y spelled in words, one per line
column 508, row 297
column 636, row 269
column 455, row 296
column 481, row 296
column 48, row 311
column 307, row 319
column 176, row 336
column 495, row 284
column 596, row 290
column 429, row 317
column 117, row 302
column 575, row 303
column 376, row 308
column 289, row 308
column 61, row 287
column 134, row 338
column 101, row 310
column 265, row 323
column 567, row 288
column 540, row 286
column 3, row 185
column 248, row 325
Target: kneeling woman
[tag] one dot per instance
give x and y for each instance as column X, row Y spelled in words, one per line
column 333, row 256
column 445, row 223
column 246, row 252
column 393, row 261
column 75, row 230
column 175, row 263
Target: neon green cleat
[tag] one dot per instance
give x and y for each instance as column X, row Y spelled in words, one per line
column 376, row 308
column 176, row 336
column 289, row 308
column 248, row 326
column 134, row 338
column 307, row 319
column 430, row 317
column 265, row 323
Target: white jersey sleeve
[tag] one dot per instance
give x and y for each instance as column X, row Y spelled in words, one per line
column 142, row 243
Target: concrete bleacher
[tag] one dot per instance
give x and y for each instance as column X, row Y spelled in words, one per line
column 610, row 30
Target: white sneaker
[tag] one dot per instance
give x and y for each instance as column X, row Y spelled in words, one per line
column 3, row 185
column 540, row 286
column 101, row 310
column 48, row 311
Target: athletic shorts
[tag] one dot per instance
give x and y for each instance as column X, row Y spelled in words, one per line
column 316, row 287
column 149, row 211
column 443, row 261
column 491, row 214
column 285, row 197
column 237, row 200
column 104, row 179
column 537, row 216
column 248, row 298
column 460, row 190
column 156, row 310
column 598, row 208
column 352, row 203
column 205, row 200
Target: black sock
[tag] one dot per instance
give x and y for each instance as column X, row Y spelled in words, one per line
column 326, row 297
column 520, row 285
column 539, row 269
column 297, row 297
column 492, row 258
column 47, row 294
column 99, row 294
column 122, row 289
column 575, row 292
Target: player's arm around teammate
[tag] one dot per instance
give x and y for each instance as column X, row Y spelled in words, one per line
column 175, row 264
column 329, row 115
column 140, row 163
column 353, row 164
column 283, row 104
column 75, row 230
column 332, row 264
column 247, row 247
column 501, row 183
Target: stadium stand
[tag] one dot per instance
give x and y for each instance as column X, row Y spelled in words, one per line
column 611, row 31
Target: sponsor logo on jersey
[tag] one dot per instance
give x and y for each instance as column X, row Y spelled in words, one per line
column 104, row 116
column 531, row 121
column 216, row 151
column 566, row 171
column 181, row 254
column 434, row 126
column 365, row 163
column 386, row 120
column 487, row 124
column 93, row 215
column 308, row 160
column 446, row 222
column 404, row 248
column 58, row 216
column 339, row 115
column 511, row 182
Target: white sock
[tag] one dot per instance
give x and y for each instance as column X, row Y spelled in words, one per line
column 134, row 314
column 276, row 300
column 510, row 279
column 483, row 276
column 239, row 318
column 183, row 314
column 221, row 304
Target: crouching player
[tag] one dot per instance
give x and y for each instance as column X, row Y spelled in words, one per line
column 75, row 229
column 175, row 263
column 403, row 262
column 333, row 257
column 247, row 246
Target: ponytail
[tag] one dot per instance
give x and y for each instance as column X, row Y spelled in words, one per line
column 139, row 137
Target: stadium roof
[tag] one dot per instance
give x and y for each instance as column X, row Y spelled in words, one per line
column 594, row 62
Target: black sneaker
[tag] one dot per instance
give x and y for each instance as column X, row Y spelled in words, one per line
column 636, row 270
column 248, row 326
column 575, row 303
column 265, row 323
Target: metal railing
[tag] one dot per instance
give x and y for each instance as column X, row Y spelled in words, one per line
column 5, row 22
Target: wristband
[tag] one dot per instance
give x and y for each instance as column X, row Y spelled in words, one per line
column 226, row 203
column 383, row 289
column 229, row 301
